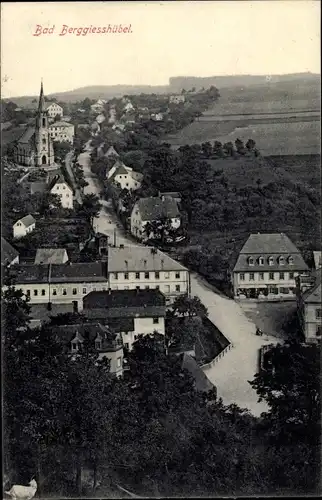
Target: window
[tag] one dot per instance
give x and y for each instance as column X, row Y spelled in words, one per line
column 155, row 321
column 98, row 344
column 137, row 276
column 64, row 187
column 74, row 291
column 167, row 275
column 67, row 195
column 43, row 292
column 64, row 291
column 281, row 261
column 146, row 276
column 177, row 288
column 84, row 290
column 318, row 331
column 74, row 346
column 251, row 276
column 261, row 261
column 273, row 290
column 281, row 276
column 251, row 261
column 118, row 362
column 126, row 276
column 157, row 275
column 271, row 276
column 147, row 287
column 271, row 261
column 242, row 276
column 157, row 287
column 167, row 288
column 35, row 292
column 126, row 288
column 28, row 293
column 54, row 291
column 177, row 275
column 94, row 289
column 261, row 276
column 115, row 276
column 291, row 276
column 318, row 313
column 290, row 260
column 137, row 287
column 127, row 184
column 126, row 345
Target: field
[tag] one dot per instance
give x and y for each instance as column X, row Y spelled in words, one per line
column 282, row 118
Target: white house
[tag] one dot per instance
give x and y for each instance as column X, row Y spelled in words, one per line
column 24, row 226
column 157, row 117
column 128, row 107
column 153, row 209
column 267, row 266
column 124, row 176
column 61, row 187
column 62, row 131
column 142, row 267
column 54, row 109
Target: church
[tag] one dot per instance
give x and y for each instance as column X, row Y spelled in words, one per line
column 35, row 147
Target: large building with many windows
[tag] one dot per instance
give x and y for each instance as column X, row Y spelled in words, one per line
column 266, row 267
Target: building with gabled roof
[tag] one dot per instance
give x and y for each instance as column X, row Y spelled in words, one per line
column 62, row 188
column 62, row 131
column 9, row 255
column 267, row 266
column 51, row 256
column 143, row 267
column 124, row 177
column 24, row 226
column 111, row 152
column 309, row 302
column 145, row 309
column 151, row 210
column 35, row 147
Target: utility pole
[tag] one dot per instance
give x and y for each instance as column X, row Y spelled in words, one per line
column 114, row 237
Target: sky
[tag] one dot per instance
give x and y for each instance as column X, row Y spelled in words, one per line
column 166, row 39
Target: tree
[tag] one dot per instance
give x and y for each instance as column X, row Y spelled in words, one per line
column 206, row 149
column 228, row 148
column 188, row 306
column 57, row 118
column 61, row 148
column 250, row 144
column 91, row 206
column 218, row 148
column 240, row 148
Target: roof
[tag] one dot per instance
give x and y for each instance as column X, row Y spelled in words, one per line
column 47, row 105
column 8, row 252
column 51, row 256
column 202, row 383
column 111, row 151
column 154, row 208
column 313, row 295
column 269, row 245
column 138, row 259
column 91, row 331
column 116, row 324
column 124, row 298
column 27, row 136
column 27, row 220
column 61, row 124
column 172, row 194
column 38, row 187
column 83, row 272
column 317, row 256
column 59, row 179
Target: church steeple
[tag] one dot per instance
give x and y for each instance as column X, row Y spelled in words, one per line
column 41, row 105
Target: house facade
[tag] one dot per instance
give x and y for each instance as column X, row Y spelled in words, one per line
column 54, row 109
column 132, row 312
column 267, row 267
column 151, row 210
column 24, row 226
column 62, row 131
column 309, row 302
column 124, row 176
column 60, row 187
column 139, row 268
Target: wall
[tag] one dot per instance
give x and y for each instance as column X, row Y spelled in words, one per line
column 287, row 282
column 54, row 109
column 22, row 230
column 115, row 365
column 65, row 193
column 146, row 325
column 126, row 181
column 59, row 133
column 311, row 322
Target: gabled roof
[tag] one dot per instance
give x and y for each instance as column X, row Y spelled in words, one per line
column 8, row 252
column 202, row 382
column 140, row 259
column 27, row 220
column 82, row 272
column 59, row 179
column 124, row 298
column 111, row 152
column 38, row 187
column 61, row 124
column 171, row 194
column 313, row 295
column 27, row 136
column 51, row 256
column 155, row 208
column 270, row 243
column 317, row 256
column 90, row 331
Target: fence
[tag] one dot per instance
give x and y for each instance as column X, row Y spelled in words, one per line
column 207, row 366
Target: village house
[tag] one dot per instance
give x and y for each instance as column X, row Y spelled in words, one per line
column 51, row 256
column 118, row 127
column 9, row 255
column 157, row 117
column 317, row 256
column 24, row 226
column 153, row 209
column 142, row 267
column 102, row 338
column 177, row 99
column 111, row 153
column 100, row 118
column 128, row 107
column 53, row 109
column 267, row 267
column 62, row 131
column 124, row 176
column 309, row 302
column 98, row 106
column 60, row 187
column 95, row 128
column 61, row 283
column 34, row 147
column 140, row 312
column 172, row 194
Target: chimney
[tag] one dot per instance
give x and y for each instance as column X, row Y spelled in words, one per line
column 144, row 263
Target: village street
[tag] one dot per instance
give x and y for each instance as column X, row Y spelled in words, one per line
column 231, row 373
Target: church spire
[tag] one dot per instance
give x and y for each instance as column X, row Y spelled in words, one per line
column 41, row 106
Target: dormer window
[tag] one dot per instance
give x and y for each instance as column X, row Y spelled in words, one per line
column 261, row 261
column 281, row 261
column 98, row 344
column 251, row 261
column 75, row 346
column 270, row 261
column 291, row 260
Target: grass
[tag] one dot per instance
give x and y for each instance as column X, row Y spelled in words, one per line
column 271, row 318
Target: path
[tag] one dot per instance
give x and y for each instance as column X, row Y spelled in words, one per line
column 231, row 374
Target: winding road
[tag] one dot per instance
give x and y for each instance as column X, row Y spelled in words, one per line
column 231, row 373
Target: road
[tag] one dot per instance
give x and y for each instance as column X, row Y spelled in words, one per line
column 231, row 373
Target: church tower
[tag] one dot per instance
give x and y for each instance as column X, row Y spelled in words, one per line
column 44, row 146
